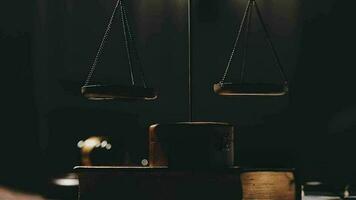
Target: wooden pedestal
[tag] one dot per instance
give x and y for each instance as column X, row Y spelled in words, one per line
column 138, row 183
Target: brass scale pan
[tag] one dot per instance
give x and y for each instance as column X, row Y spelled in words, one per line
column 111, row 92
column 250, row 89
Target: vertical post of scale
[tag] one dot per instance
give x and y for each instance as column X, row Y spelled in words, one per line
column 190, row 69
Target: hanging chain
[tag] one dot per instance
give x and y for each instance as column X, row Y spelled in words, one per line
column 244, row 58
column 248, row 11
column 102, row 44
column 133, row 45
column 127, row 45
column 269, row 41
column 235, row 43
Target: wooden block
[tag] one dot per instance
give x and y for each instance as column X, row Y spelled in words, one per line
column 266, row 184
column 191, row 145
column 137, row 183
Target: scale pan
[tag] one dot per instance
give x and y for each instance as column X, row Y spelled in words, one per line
column 249, row 89
column 117, row 92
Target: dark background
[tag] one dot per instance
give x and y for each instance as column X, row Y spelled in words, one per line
column 46, row 48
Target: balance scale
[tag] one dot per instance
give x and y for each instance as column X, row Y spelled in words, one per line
column 187, row 160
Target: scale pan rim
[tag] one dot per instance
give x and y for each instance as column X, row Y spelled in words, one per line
column 118, row 92
column 250, row 89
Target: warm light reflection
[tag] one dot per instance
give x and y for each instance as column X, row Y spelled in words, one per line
column 313, row 183
column 321, row 198
column 80, row 144
column 88, row 145
column 346, row 194
column 108, row 146
column 68, row 180
column 144, row 162
column 104, row 143
column 93, row 142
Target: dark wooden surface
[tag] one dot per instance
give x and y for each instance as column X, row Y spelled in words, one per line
column 166, row 184
column 190, row 145
column 157, row 184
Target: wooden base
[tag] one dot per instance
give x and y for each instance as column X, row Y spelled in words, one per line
column 137, row 183
column 229, row 89
column 160, row 183
column 117, row 92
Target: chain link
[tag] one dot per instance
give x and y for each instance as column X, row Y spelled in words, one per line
column 235, row 43
column 270, row 43
column 129, row 42
column 244, row 57
column 102, row 44
column 127, row 46
column 252, row 4
column 133, row 45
